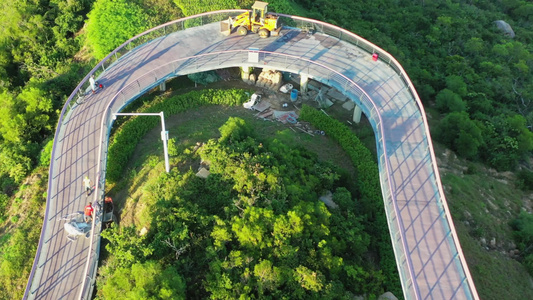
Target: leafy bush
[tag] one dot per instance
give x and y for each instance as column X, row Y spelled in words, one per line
column 172, row 148
column 190, row 8
column 460, row 133
column 145, row 281
column 523, row 233
column 127, row 245
column 525, row 179
column 448, row 101
column 46, row 153
column 4, row 201
column 112, row 22
column 204, row 78
column 506, row 141
column 234, row 130
column 369, row 189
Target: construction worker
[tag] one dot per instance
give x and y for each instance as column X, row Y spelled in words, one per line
column 92, row 82
column 87, row 185
column 89, row 211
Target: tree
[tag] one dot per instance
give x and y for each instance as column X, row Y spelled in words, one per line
column 190, row 8
column 269, row 277
column 111, row 23
column 506, row 141
column 448, row 101
column 309, row 279
column 460, row 133
column 127, row 247
column 145, row 281
column 457, row 85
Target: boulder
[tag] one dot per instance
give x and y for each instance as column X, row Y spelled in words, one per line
column 505, row 27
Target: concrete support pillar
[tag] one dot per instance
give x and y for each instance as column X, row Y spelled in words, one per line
column 245, row 73
column 357, row 114
column 303, row 83
column 163, row 86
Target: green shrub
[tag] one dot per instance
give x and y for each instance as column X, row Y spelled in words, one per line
column 46, row 154
column 4, row 201
column 525, row 179
column 145, row 281
column 111, row 23
column 234, row 130
column 460, row 133
column 369, row 187
column 448, row 101
column 204, row 78
column 172, row 148
column 523, row 227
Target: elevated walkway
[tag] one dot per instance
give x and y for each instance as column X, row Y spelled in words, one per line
column 427, row 250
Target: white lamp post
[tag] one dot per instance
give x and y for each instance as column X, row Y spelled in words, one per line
column 164, row 133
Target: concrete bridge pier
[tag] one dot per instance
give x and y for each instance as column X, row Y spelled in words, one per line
column 357, row 114
column 245, row 73
column 304, row 80
column 163, row 86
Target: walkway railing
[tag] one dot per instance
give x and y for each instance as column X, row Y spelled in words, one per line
column 231, row 58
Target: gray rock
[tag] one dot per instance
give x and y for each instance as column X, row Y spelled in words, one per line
column 505, row 27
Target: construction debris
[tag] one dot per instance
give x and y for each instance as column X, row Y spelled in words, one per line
column 286, row 88
column 261, row 106
column 269, row 79
column 203, row 173
column 348, row 105
column 333, row 93
column 286, row 116
column 253, row 100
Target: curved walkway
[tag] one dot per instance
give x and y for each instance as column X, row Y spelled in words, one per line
column 426, row 247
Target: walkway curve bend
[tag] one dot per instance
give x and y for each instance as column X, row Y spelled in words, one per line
column 427, row 250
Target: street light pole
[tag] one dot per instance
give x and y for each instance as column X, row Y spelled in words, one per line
column 164, row 138
column 164, row 133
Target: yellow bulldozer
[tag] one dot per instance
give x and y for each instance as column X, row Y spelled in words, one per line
column 257, row 20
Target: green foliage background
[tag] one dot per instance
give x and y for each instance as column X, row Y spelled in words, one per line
column 253, row 228
column 111, row 22
column 478, row 80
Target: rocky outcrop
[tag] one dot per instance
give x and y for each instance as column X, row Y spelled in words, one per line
column 505, row 27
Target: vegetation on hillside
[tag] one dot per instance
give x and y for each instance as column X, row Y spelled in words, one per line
column 461, row 62
column 479, row 80
column 254, row 227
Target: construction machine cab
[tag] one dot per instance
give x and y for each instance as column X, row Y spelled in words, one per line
column 259, row 10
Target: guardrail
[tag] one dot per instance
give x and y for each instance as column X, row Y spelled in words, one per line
column 341, row 82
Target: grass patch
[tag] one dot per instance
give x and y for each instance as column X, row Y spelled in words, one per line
column 495, row 275
column 482, row 207
column 20, row 235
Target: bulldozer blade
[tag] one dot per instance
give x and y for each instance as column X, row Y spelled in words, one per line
column 225, row 27
column 275, row 32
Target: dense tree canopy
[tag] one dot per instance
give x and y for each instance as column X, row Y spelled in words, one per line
column 254, row 227
column 457, row 57
column 479, row 79
column 111, row 22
